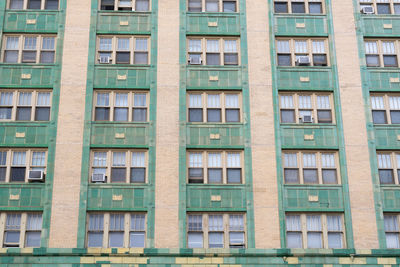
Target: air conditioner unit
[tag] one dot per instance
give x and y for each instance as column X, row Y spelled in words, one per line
column 367, row 10
column 307, row 119
column 36, row 176
column 195, row 60
column 98, row 178
column 303, row 60
column 104, row 60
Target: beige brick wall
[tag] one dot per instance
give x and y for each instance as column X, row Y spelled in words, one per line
column 167, row 144
column 262, row 127
column 359, row 170
column 67, row 174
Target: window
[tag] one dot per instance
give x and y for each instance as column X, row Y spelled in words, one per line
column 121, row 106
column 302, row 52
column 310, row 167
column 123, row 50
column 25, row 105
column 315, row 231
column 21, row 229
column 391, row 221
column 213, row 51
column 381, row 53
column 212, row 6
column 216, row 230
column 15, row 164
column 120, row 166
column 382, row 7
column 33, row 4
column 298, row 6
column 385, row 109
column 29, row 49
column 116, row 230
column 388, row 167
column 215, row 167
column 125, row 5
column 214, row 107
column 306, row 108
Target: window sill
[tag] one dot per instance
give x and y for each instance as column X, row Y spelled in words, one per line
column 380, row 16
column 119, row 185
column 124, row 12
column 304, row 68
column 26, row 184
column 215, row 186
column 214, row 66
column 303, row 15
column 383, row 68
column 34, row 10
column 120, row 122
column 29, row 64
column 387, row 125
column 123, row 65
column 220, row 124
column 397, row 186
column 212, row 13
column 302, row 125
column 313, row 186
column 27, row 123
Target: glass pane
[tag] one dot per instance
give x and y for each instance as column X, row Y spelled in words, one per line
column 395, row 117
column 17, row 174
column 123, row 58
column 16, row 4
column 314, row 240
column 95, row 239
column 196, row 115
column 396, row 8
column 386, row 176
column 32, row 239
column 212, row 59
column 310, row 176
column 141, row 58
column 11, row 56
column 215, row 240
column 136, row 239
column 232, row 115
column 372, row 60
column 294, row 240
column 140, row 114
column 287, row 116
column 102, row 114
column 11, row 237
column 324, row 116
column 236, row 240
column 229, row 6
column 281, row 7
column 298, row 7
column 379, row 117
column 142, row 5
column 34, row 4
column 231, row 59
column 196, row 175
column 3, row 174
column 329, row 177
column 392, row 240
column 121, row 114
column 29, row 56
column 284, row 60
column 383, row 8
column 5, row 113
column 335, row 240
column 212, row 5
column 234, row 175
column 47, row 57
column 118, row 175
column 195, row 240
column 42, row 114
column 23, row 114
column 390, row 61
column 320, row 60
column 116, row 239
column 215, row 176
column 107, row 5
column 52, row 4
column 138, row 175
column 195, row 5
column 213, row 115
column 291, row 176
column 315, row 8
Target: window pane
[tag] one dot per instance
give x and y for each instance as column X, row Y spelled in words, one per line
column 142, row 5
column 138, row 175
column 390, row 61
column 284, row 60
column 34, row 4
column 291, row 176
column 329, row 177
column 324, row 116
column 195, row 5
column 141, row 58
column 213, row 115
column 195, row 240
column 17, row 174
column 42, row 114
column 47, row 57
column 383, row 8
column 395, row 117
column 298, row 7
column 123, row 58
column 118, row 175
column 102, row 114
column 287, row 116
column 320, row 60
column 196, row 115
column 231, row 59
column 234, row 175
column 215, row 240
column 212, row 5
column 315, row 8
column 379, row 117
column 229, row 6
column 52, row 4
column 116, row 239
column 136, row 239
column 386, row 176
column 121, row 114
column 392, row 240
column 107, row 5
column 95, row 239
column 11, row 237
column 314, row 240
column 335, row 240
column 23, row 114
column 310, row 176
column 396, row 9
column 16, row 4
column 5, row 113
column 212, row 59
column 372, row 61
column 232, row 115
column 11, row 56
column 236, row 240
column 29, row 56
column 294, row 240
column 196, row 175
column 3, row 174
column 215, row 176
column 32, row 239
column 281, row 7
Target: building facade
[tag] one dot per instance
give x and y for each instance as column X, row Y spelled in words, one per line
column 200, row 132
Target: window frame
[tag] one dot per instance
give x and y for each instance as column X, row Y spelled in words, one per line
column 221, row 45
column 114, row 48
column 386, row 109
column 128, row 165
column 309, row 53
column 39, row 48
column 220, row 6
column 34, row 105
column 206, row 231
column 318, row 160
column 324, row 228
column 22, row 230
column 106, row 228
column 374, row 4
column 116, row 7
column 25, row 5
column 394, row 167
column 380, row 53
column 306, row 7
column 397, row 231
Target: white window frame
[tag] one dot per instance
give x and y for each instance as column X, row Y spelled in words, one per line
column 220, row 6
column 387, row 109
column 375, row 3
column 25, row 5
column 380, row 53
column 394, row 166
column 116, row 6
column 306, row 6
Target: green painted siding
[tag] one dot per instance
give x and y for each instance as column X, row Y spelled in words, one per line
column 135, row 135
column 46, row 21
column 137, row 23
column 136, row 77
column 288, row 25
column 225, row 77
column 229, row 135
column 319, row 79
column 42, row 76
column 373, row 26
column 378, row 79
column 30, row 197
column 35, row 135
column 212, row 24
column 386, row 137
column 325, row 137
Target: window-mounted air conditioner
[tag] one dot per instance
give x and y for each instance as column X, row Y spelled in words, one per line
column 303, row 61
column 98, row 178
column 36, row 176
column 104, row 60
column 367, row 10
column 307, row 119
column 195, row 60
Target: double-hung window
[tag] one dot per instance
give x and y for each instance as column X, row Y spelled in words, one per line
column 21, row 229
column 389, row 167
column 214, row 107
column 125, row 5
column 382, row 7
column 213, row 51
column 302, row 52
column 15, row 164
column 25, row 105
column 392, row 231
column 33, row 4
column 121, row 106
column 310, row 167
column 116, row 230
column 212, row 5
column 123, row 50
column 216, row 230
column 381, row 53
column 315, row 231
column 215, row 167
column 306, row 108
column 385, row 109
column 120, row 166
column 29, row 49
column 299, row 6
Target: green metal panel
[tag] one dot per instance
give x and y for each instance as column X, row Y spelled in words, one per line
column 26, row 196
column 123, row 22
column 378, row 79
column 288, row 25
column 109, row 135
column 45, row 21
column 40, row 76
column 373, row 26
column 214, row 77
column 294, row 137
column 35, row 136
column 113, row 198
column 233, row 198
column 319, row 79
column 330, row 198
column 386, row 137
column 229, row 135
column 212, row 24
column 391, row 198
column 114, row 77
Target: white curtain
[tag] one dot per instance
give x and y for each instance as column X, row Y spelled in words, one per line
column 195, row 160
column 34, row 222
column 138, row 159
column 236, row 223
column 138, row 222
column 323, row 102
column 215, row 223
column 318, row 47
column 103, row 99
column 305, row 101
column 388, row 48
column 38, row 158
column 328, row 160
column 96, row 222
column 283, row 46
column 213, row 46
column 6, row 99
column 140, row 100
column 30, row 43
column 13, row 221
column 125, row 3
column 213, row 101
column 19, row 158
column 290, row 160
column 12, row 43
column 24, row 99
column 391, row 229
column 43, row 99
column 371, row 47
column 384, row 161
column 230, row 46
column 293, row 223
column 100, row 159
column 214, row 160
column 194, row 45
column 377, row 102
column 118, row 159
column 394, row 102
column 287, row 101
column 382, row 1
column 233, row 160
column 3, row 158
column 232, row 101
column 195, row 223
column 48, row 43
column 195, row 101
column 105, row 44
column 123, row 44
column 301, row 46
column 117, row 222
column 309, row 160
column 121, row 100
column 141, row 44
column 314, row 238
